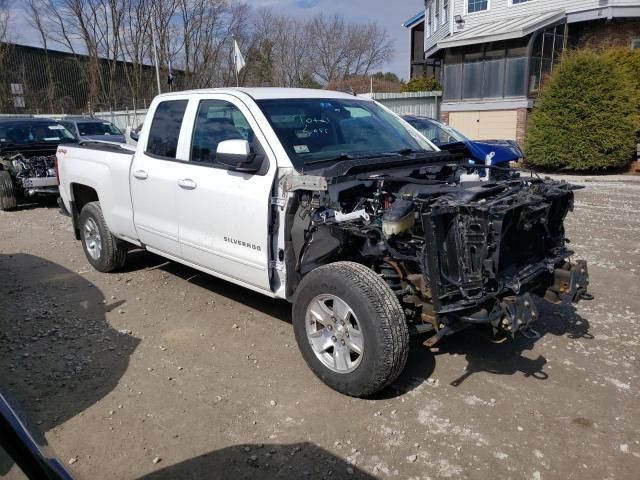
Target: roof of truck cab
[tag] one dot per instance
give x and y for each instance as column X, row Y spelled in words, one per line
column 271, row 93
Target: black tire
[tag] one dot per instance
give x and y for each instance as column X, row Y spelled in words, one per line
column 7, row 192
column 112, row 253
column 381, row 319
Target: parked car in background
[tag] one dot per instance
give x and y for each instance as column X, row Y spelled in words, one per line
column 448, row 138
column 27, row 157
column 134, row 134
column 91, row 128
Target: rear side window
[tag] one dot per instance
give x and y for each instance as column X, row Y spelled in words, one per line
column 165, row 128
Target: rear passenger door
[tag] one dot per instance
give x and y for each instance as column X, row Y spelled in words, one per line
column 225, row 215
column 154, row 175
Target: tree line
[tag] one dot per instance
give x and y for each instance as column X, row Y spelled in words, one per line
column 195, row 39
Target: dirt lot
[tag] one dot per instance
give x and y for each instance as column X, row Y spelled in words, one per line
column 162, row 372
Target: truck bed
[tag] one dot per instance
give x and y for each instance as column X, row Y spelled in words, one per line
column 104, row 167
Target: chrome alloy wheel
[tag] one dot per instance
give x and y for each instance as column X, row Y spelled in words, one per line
column 334, row 333
column 92, row 239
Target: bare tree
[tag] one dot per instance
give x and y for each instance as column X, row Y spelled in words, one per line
column 343, row 49
column 4, row 19
column 135, row 33
column 34, row 9
column 4, row 27
column 113, row 42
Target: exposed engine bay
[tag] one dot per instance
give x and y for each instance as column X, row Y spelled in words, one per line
column 455, row 250
column 33, row 175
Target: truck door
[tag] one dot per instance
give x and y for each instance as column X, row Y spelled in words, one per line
column 225, row 215
column 154, row 175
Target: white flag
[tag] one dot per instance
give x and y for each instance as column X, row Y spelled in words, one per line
column 239, row 59
column 170, row 74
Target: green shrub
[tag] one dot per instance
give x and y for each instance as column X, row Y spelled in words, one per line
column 586, row 117
column 422, row 84
column 629, row 61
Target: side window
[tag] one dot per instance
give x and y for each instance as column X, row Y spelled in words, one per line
column 69, row 126
column 165, row 128
column 217, row 121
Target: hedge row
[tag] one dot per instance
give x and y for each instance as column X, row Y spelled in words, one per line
column 588, row 113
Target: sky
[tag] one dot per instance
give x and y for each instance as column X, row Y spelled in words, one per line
column 389, row 13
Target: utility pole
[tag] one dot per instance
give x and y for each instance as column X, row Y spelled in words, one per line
column 155, row 56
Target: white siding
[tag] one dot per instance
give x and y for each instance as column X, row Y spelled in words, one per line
column 443, row 27
column 499, row 9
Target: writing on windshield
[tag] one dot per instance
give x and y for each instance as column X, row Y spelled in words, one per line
column 313, row 130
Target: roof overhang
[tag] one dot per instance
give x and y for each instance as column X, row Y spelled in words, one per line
column 414, row 20
column 516, row 27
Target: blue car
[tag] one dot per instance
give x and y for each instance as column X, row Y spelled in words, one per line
column 448, row 138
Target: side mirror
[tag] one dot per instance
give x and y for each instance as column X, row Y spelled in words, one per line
column 237, row 155
column 135, row 135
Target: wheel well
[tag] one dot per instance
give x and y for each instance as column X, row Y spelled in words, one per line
column 83, row 195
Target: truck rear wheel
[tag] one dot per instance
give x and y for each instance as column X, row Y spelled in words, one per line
column 350, row 328
column 104, row 251
column 7, row 191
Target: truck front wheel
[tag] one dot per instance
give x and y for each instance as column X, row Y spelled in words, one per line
column 350, row 328
column 7, row 191
column 104, row 251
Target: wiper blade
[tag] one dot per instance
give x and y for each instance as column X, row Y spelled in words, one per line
column 404, row 151
column 342, row 156
column 347, row 156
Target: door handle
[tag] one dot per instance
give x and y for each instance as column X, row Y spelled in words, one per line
column 141, row 174
column 187, row 183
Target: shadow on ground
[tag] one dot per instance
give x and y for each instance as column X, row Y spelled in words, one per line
column 30, row 203
column 58, row 354
column 506, row 356
column 283, row 461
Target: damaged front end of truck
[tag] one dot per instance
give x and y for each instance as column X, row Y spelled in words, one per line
column 456, row 251
column 33, row 175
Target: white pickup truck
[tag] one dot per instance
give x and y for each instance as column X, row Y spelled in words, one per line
column 334, row 203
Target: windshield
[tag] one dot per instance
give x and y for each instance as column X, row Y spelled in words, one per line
column 25, row 133
column 437, row 132
column 318, row 130
column 97, row 128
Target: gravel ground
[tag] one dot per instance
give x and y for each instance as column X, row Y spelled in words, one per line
column 162, row 372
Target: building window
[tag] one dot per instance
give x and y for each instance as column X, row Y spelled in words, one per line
column 477, row 6
column 417, row 43
column 445, row 11
column 487, row 71
column 428, row 22
column 516, row 2
column 547, row 49
column 436, row 15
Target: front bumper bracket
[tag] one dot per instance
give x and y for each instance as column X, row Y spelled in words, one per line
column 570, row 279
